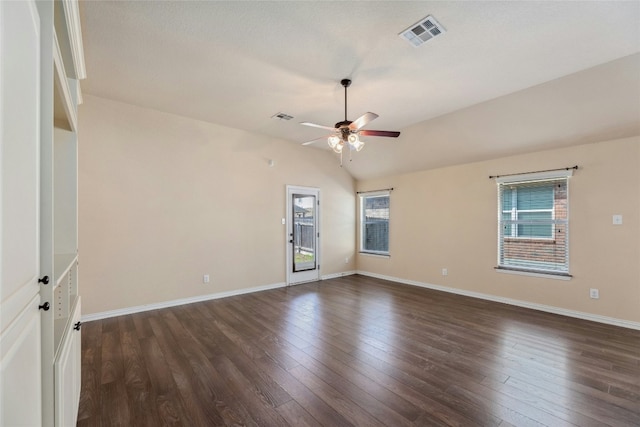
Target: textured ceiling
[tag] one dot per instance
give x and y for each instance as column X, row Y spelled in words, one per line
column 506, row 77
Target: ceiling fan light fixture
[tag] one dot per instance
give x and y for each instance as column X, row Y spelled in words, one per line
column 346, row 133
column 333, row 141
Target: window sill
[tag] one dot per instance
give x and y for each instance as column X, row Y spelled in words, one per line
column 545, row 275
column 375, row 255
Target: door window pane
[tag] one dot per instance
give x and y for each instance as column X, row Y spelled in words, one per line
column 304, row 232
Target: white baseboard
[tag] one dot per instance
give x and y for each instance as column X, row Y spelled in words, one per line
column 336, row 275
column 181, row 301
column 547, row 308
column 173, row 303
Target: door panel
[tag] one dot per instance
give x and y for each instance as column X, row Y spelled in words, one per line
column 20, row 378
column 20, row 328
column 67, row 374
column 303, row 257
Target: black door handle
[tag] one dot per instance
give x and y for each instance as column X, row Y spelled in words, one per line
column 44, row 306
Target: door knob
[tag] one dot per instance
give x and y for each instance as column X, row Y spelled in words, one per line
column 44, row 306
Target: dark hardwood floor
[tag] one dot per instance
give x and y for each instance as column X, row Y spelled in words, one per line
column 357, row 351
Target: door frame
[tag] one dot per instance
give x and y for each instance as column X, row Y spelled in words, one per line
column 295, row 278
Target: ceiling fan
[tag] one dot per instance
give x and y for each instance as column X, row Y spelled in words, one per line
column 347, row 133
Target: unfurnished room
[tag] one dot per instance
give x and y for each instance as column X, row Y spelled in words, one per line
column 319, row 213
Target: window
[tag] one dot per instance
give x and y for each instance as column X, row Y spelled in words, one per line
column 374, row 223
column 533, row 225
column 526, row 203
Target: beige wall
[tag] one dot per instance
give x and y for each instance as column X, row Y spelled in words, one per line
column 447, row 218
column 164, row 199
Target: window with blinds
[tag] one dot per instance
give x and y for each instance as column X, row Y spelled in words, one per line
column 374, row 223
column 533, row 226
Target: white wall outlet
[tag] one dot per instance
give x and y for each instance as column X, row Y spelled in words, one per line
column 594, row 293
column 445, row 272
column 346, row 260
column 205, row 278
column 617, row 219
column 284, row 221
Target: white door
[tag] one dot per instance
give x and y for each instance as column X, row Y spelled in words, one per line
column 303, row 234
column 20, row 346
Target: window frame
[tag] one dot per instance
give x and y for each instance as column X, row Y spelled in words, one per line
column 363, row 196
column 532, row 269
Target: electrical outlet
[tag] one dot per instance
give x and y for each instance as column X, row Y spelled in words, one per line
column 346, row 260
column 205, row 278
column 594, row 293
column 445, row 272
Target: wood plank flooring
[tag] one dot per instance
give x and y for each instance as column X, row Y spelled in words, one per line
column 357, row 351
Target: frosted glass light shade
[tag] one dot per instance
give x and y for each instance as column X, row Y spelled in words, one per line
column 333, row 141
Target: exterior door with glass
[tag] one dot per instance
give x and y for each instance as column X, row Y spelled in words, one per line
column 303, row 255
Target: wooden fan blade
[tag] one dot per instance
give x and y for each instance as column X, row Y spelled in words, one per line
column 388, row 133
column 313, row 125
column 362, row 120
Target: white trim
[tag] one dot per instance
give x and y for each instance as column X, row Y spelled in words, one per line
column 536, row 176
column 361, row 196
column 295, row 278
column 374, row 255
column 374, row 193
column 62, row 84
column 72, row 18
column 540, row 307
column 176, row 302
column 336, row 275
column 79, row 99
column 549, row 275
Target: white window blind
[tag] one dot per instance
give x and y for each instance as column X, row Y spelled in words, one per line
column 533, row 225
column 374, row 223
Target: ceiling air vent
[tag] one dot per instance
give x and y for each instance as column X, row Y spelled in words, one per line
column 422, row 31
column 282, row 116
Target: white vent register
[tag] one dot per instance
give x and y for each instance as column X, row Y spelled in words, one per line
column 422, row 31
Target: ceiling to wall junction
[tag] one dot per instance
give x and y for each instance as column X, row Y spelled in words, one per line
column 505, row 77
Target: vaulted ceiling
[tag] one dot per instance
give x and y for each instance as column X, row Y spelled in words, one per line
column 505, row 78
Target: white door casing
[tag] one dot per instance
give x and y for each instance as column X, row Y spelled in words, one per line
column 303, row 251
